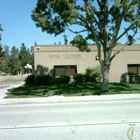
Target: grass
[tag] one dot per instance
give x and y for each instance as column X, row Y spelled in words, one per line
column 28, row 91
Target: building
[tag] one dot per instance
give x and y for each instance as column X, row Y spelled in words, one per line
column 66, row 59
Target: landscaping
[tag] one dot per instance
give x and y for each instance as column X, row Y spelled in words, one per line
column 72, row 89
column 81, row 85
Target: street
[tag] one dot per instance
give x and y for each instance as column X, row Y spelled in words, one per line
column 101, row 120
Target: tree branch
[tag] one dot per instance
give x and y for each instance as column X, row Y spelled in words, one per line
column 94, row 33
column 118, row 23
column 97, row 22
column 127, row 43
column 76, row 32
column 129, row 28
column 105, row 32
column 100, row 5
column 117, row 53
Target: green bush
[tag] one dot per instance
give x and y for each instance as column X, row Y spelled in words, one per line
column 93, row 74
column 79, row 78
column 65, row 79
column 30, row 80
column 43, row 80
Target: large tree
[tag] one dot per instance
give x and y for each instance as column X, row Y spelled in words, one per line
column 101, row 19
column 0, row 32
column 1, row 50
column 24, row 56
column 15, row 65
column 14, row 62
column 14, row 51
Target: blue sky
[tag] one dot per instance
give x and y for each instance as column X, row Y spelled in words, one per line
column 15, row 17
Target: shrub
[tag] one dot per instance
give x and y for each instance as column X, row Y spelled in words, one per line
column 30, row 80
column 93, row 74
column 43, row 80
column 65, row 79
column 79, row 78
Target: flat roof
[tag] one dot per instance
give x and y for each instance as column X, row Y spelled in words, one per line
column 71, row 48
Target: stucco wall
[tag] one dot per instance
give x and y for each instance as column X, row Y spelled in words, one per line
column 47, row 56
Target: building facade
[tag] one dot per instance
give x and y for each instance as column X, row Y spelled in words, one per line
column 66, row 59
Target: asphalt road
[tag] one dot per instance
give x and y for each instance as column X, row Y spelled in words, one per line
column 102, row 120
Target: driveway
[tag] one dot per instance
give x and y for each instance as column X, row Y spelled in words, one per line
column 8, row 87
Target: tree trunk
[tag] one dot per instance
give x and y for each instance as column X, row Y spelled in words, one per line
column 105, row 77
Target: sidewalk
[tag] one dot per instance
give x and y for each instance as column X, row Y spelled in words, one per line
column 62, row 99
column 8, row 87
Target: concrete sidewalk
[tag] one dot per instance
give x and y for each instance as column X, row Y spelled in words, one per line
column 8, row 87
column 61, row 99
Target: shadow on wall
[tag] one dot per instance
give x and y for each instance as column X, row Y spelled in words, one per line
column 41, row 70
column 125, row 78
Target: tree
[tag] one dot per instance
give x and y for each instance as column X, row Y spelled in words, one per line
column 24, row 56
column 1, row 51
column 14, row 51
column 6, row 53
column 32, row 56
column 65, row 39
column 2, row 61
column 35, row 43
column 14, row 62
column 6, row 58
column 0, row 33
column 101, row 20
column 15, row 65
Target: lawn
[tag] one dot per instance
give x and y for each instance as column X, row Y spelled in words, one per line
column 73, row 89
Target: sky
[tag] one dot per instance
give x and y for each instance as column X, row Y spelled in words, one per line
column 18, row 27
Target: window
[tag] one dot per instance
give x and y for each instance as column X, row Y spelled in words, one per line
column 62, row 70
column 133, row 69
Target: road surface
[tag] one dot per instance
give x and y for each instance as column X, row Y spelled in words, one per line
column 102, row 120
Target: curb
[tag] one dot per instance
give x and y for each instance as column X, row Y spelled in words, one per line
column 63, row 99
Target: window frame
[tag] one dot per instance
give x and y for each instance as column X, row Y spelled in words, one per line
column 133, row 66
column 65, row 67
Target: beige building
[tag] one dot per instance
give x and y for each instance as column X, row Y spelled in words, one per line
column 66, row 59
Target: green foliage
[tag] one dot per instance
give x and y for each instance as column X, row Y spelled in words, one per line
column 92, row 20
column 0, row 31
column 43, row 80
column 79, row 78
column 13, row 61
column 24, row 55
column 14, row 51
column 1, row 52
column 3, row 65
column 98, row 20
column 93, row 74
column 65, row 39
column 6, row 53
column 14, row 65
column 32, row 56
column 80, row 43
column 30, row 80
column 83, row 89
column 65, row 79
